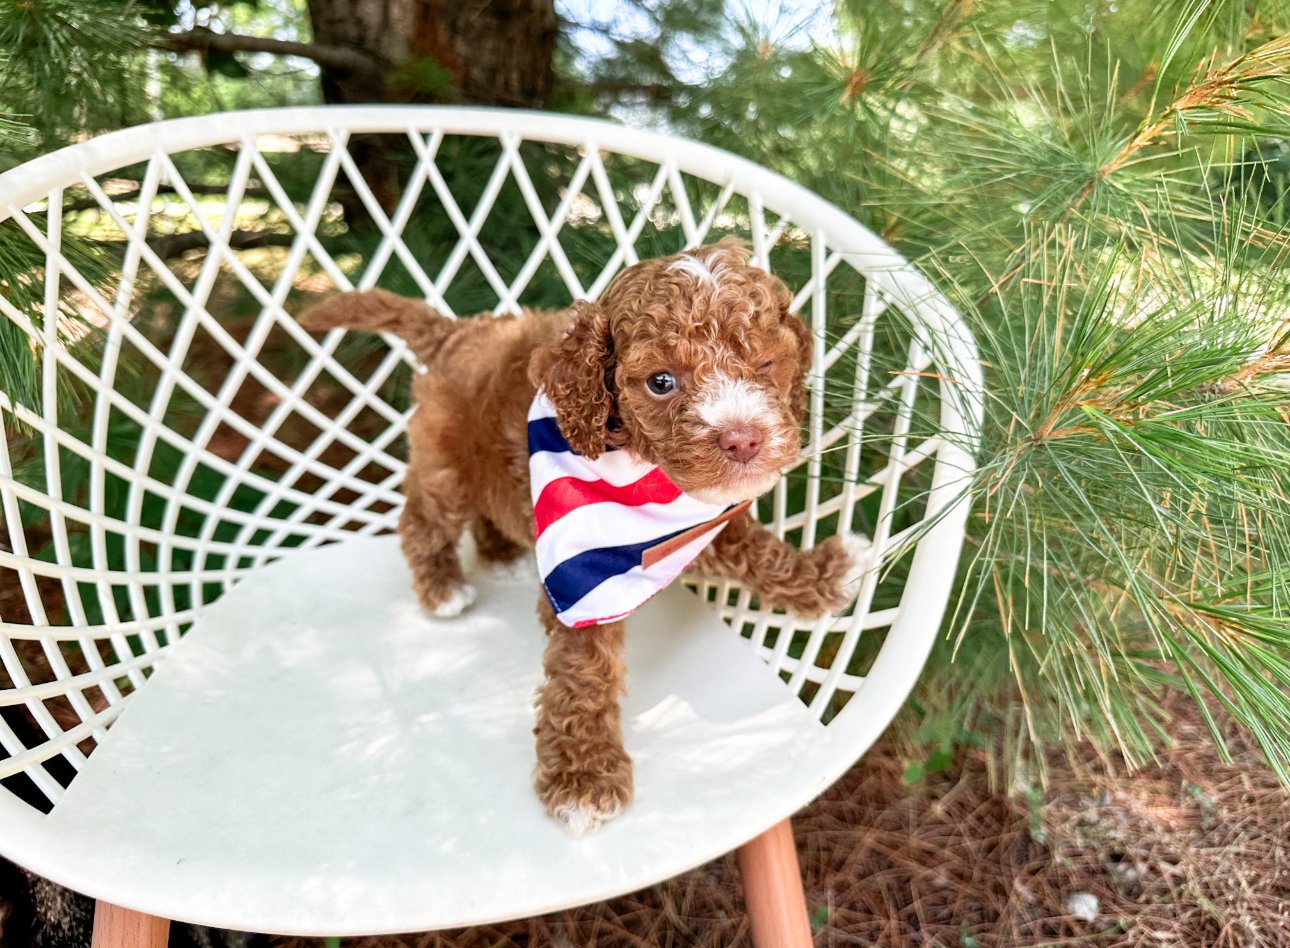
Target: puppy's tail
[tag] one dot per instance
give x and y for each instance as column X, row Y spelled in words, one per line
column 421, row 327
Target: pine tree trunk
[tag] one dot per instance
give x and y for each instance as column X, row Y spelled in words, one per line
column 486, row 52
column 496, row 52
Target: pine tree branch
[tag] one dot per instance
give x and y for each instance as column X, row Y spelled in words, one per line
column 329, row 57
column 253, row 189
column 174, row 245
column 1217, row 89
column 940, row 32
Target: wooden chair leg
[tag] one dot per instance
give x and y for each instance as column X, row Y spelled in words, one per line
column 773, row 889
column 115, row 927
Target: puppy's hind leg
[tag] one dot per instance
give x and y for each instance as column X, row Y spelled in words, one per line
column 430, row 526
column 497, row 550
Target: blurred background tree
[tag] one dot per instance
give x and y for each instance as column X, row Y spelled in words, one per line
column 1100, row 185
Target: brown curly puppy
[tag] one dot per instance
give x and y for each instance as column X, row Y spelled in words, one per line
column 692, row 363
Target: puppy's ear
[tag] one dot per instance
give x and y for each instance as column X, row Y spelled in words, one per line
column 805, row 356
column 574, row 372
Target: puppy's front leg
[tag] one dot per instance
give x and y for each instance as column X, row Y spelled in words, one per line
column 807, row 583
column 583, row 776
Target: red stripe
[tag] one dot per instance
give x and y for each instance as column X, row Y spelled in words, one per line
column 565, row 494
column 586, row 623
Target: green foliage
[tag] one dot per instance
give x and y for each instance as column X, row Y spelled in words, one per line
column 22, row 284
column 940, row 741
column 819, row 917
column 1098, row 202
column 1102, row 188
column 650, row 54
column 67, row 64
column 423, row 79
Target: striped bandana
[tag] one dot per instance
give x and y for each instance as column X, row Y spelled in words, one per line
column 612, row 532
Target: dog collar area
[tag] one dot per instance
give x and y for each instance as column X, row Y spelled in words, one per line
column 611, row 532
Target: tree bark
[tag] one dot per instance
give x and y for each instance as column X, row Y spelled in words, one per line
column 478, row 52
column 494, row 52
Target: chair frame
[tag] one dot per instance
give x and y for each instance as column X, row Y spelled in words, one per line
column 768, row 862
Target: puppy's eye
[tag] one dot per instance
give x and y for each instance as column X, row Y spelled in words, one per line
column 767, row 367
column 661, row 383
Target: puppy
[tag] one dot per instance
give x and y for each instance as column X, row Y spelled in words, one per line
column 691, row 364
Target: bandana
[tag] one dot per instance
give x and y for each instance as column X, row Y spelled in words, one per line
column 612, row 532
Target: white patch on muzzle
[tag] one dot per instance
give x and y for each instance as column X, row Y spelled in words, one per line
column 727, row 403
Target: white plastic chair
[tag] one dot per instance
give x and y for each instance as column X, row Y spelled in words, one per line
column 220, row 702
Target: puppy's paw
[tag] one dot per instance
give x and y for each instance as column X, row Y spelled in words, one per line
column 583, row 801
column 582, row 819
column 827, row 583
column 451, row 602
column 520, row 568
column 859, row 550
column 842, row 560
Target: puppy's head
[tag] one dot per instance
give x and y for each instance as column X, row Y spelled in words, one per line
column 692, row 362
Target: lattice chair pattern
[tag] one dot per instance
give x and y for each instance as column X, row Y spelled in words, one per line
column 219, row 702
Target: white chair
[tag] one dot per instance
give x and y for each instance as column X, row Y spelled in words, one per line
column 220, row 702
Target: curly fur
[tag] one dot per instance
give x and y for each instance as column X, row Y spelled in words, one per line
column 575, row 372
column 583, row 775
column 732, row 322
column 724, row 331
column 423, row 329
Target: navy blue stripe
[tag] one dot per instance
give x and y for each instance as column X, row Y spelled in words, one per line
column 544, row 435
column 579, row 575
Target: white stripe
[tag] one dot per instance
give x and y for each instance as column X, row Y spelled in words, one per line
column 614, row 467
column 593, row 526
column 621, row 594
column 541, row 407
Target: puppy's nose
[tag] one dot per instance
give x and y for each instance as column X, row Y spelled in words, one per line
column 741, row 444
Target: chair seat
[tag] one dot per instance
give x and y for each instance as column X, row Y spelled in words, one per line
column 319, row 756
